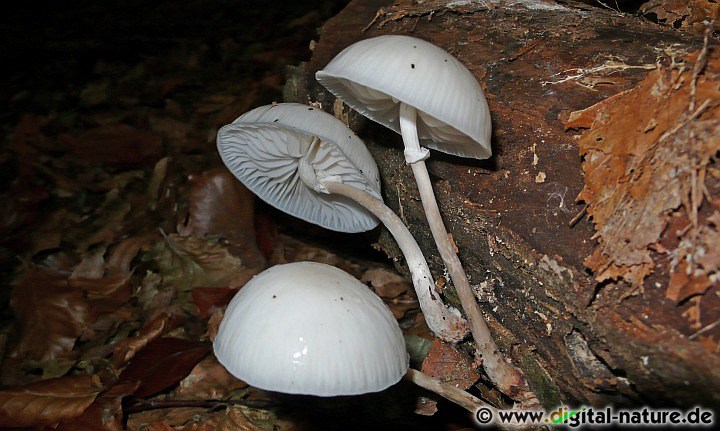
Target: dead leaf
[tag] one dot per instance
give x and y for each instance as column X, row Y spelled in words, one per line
column 105, row 413
column 220, row 206
column 447, row 363
column 127, row 348
column 187, row 262
column 163, row 363
column 115, row 145
column 241, row 418
column 386, row 282
column 425, row 407
column 49, row 315
column 123, row 253
column 166, row 419
column 49, row 401
column 208, row 381
column 208, row 300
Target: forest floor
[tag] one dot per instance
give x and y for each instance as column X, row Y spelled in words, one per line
column 122, row 235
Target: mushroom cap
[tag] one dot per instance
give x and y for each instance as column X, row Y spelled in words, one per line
column 310, row 328
column 374, row 75
column 263, row 149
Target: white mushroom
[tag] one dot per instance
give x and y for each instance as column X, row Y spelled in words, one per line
column 419, row 90
column 311, row 328
column 265, row 158
column 308, row 163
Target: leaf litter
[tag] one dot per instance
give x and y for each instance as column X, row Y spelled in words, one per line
column 125, row 240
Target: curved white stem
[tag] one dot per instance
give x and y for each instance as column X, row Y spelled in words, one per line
column 441, row 321
column 508, row 378
column 458, row 396
column 462, row 398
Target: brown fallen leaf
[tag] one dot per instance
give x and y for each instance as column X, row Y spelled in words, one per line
column 127, row 348
column 115, row 145
column 49, row 315
column 105, row 413
column 447, row 363
column 208, row 300
column 187, row 262
column 235, row 420
column 163, row 363
column 50, row 401
column 220, row 206
column 165, row 419
column 386, row 282
column 207, row 381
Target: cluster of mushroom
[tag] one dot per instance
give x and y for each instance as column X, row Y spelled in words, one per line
column 338, row 338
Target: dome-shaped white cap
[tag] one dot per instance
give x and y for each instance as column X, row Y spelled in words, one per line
column 310, row 328
column 263, row 149
column 372, row 76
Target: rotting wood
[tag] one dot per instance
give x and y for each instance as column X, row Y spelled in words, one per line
column 577, row 340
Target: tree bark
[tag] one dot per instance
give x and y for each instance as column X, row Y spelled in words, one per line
column 521, row 236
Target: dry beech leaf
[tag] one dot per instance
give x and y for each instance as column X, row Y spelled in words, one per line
column 636, row 177
column 105, row 225
column 115, row 145
column 447, row 363
column 127, row 348
column 49, row 315
column 220, row 206
column 122, row 254
column 167, row 419
column 163, row 363
column 207, row 381
column 386, row 283
column 240, row 418
column 105, row 413
column 208, row 300
column 49, row 401
column 187, row 262
column 425, row 406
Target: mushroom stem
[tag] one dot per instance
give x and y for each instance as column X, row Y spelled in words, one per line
column 449, row 392
column 441, row 321
column 509, row 379
column 462, row 398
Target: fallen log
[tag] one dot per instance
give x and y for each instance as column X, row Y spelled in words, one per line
column 592, row 235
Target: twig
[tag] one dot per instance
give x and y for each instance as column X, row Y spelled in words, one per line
column 704, row 330
column 617, row 11
column 578, row 216
column 527, row 48
column 700, row 64
column 140, row 405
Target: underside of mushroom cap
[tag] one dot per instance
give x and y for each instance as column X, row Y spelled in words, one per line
column 311, row 328
column 264, row 148
column 317, row 122
column 374, row 75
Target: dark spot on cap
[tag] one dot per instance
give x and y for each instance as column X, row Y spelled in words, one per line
column 274, row 296
column 310, row 109
column 446, row 60
column 414, row 46
column 412, row 66
column 276, row 120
